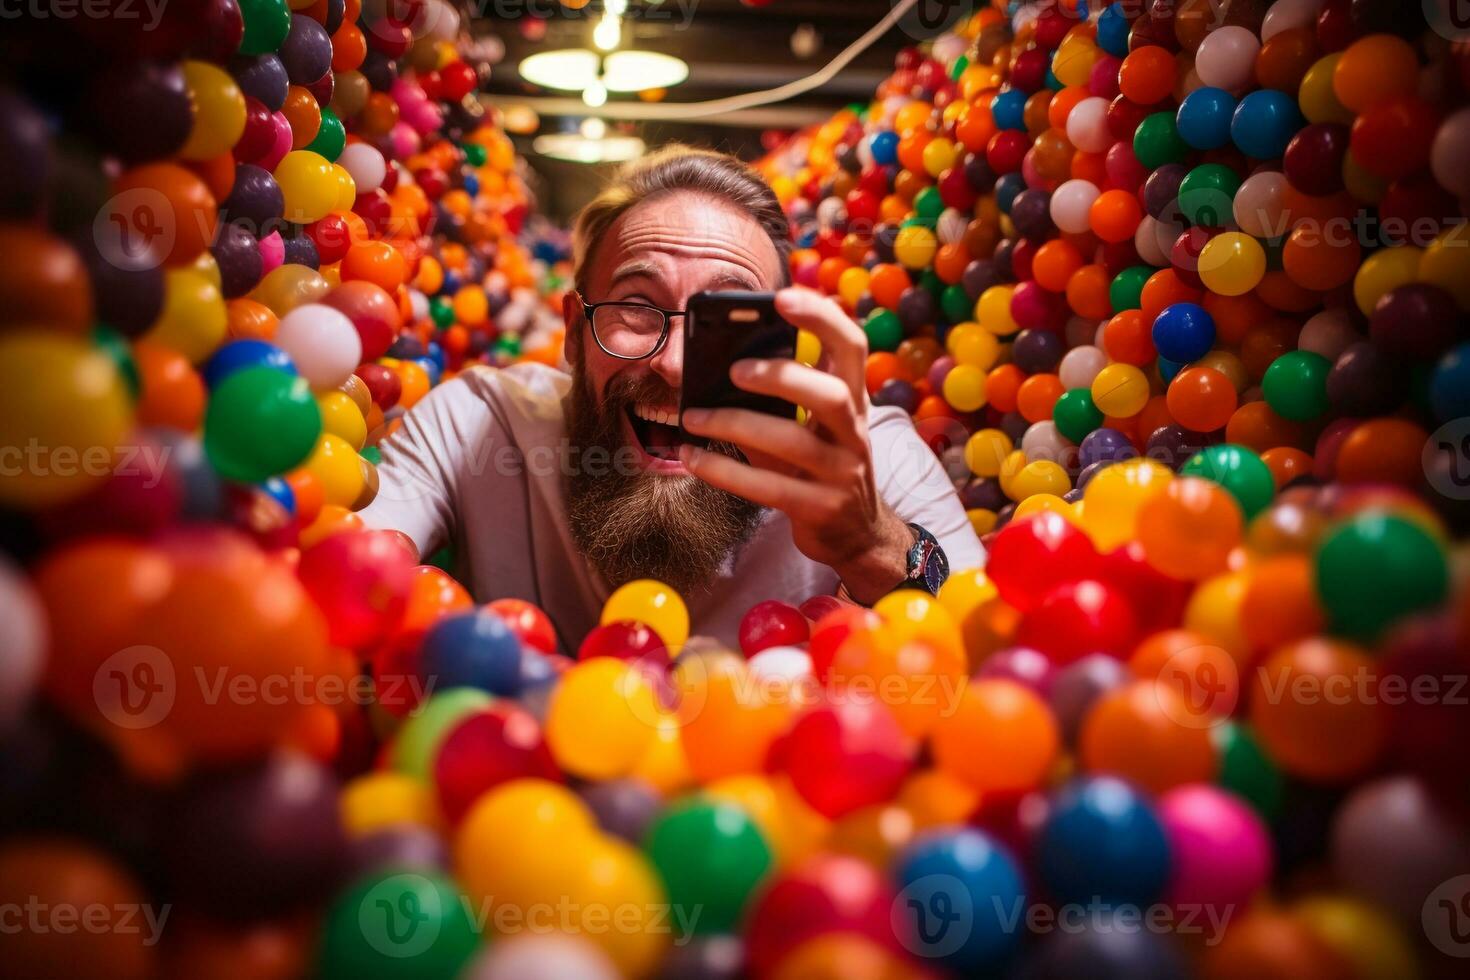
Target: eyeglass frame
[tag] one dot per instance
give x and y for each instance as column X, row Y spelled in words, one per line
column 589, row 309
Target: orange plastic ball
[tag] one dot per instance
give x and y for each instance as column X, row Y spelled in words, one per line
column 1204, row 673
column 1145, row 731
column 1280, row 604
column 1316, row 710
column 376, row 262
column 1201, row 399
column 999, row 737
column 1189, row 528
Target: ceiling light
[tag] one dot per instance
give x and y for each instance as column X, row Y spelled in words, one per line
column 594, row 128
column 633, row 71
column 595, row 94
column 569, row 69
column 579, row 149
column 608, row 32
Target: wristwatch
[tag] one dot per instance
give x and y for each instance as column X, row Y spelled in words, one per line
column 927, row 565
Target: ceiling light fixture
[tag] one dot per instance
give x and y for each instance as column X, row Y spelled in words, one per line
column 579, row 149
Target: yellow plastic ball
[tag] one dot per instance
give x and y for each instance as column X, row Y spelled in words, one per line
column 1038, row 502
column 964, row 387
column 1317, row 99
column 346, row 188
column 653, row 604
column 1120, row 390
column 342, row 418
column 969, row 344
column 1012, row 465
column 939, row 155
column 63, row 410
column 619, row 888
column 1214, row 610
column 664, row 766
column 1043, row 476
column 808, row 347
column 1232, row 263
column 909, row 614
column 986, row 450
column 219, row 111
column 1383, row 271
column 471, row 306
column 1074, row 60
column 505, row 846
column 339, row 469
column 194, row 320
column 601, row 719
column 1114, row 495
column 993, row 310
column 852, row 284
column 385, row 798
column 915, row 246
column 982, row 521
column 1446, row 264
column 1364, row 937
column 308, row 184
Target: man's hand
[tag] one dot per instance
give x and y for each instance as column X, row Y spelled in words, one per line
column 819, row 474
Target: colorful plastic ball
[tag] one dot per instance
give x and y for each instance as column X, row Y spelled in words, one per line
column 989, row 714
column 1315, row 708
column 844, row 753
column 260, row 422
column 361, row 582
column 485, row 749
column 1264, row 123
column 1220, row 849
column 1203, row 118
column 1449, row 384
column 241, row 354
column 1156, row 141
column 967, row 876
column 710, row 855
column 1183, row 332
column 1079, row 617
column 964, row 387
column 1120, row 390
column 267, row 22
column 1103, row 842
column 322, row 342
column 824, row 895
column 1201, row 399
column 1295, row 385
column 398, row 924
column 1189, row 528
column 308, row 186
column 601, row 719
column 884, row 330
column 1232, row 263
column 1076, row 414
column 1206, row 194
column 1375, row 569
column 771, row 624
column 653, row 604
column 1238, row 470
column 472, row 649
column 1071, row 205
column 1029, row 557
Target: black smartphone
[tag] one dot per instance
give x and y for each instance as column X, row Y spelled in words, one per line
column 722, row 328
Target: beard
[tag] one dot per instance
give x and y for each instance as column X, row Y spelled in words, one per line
column 632, row 523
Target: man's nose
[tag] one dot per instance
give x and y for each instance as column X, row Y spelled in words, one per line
column 668, row 363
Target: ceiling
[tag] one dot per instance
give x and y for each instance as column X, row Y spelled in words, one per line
column 730, row 48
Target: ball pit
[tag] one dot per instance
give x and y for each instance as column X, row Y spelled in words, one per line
column 1179, row 300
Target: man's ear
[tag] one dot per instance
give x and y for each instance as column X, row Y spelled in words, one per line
column 571, row 315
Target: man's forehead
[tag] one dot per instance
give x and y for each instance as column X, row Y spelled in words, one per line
column 660, row 233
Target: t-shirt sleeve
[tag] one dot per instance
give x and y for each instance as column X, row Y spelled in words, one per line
column 417, row 480
column 914, row 484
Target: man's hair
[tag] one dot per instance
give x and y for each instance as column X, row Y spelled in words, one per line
column 679, row 168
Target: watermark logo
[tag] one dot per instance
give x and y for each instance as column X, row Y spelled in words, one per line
column 136, row 229
column 927, row 19
column 933, row 916
column 1446, row 458
column 399, row 916
column 1446, row 917
column 135, row 687
column 1207, row 682
column 1450, row 19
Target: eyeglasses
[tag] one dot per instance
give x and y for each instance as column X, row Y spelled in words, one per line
column 629, row 331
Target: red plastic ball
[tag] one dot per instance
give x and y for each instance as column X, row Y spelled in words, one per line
column 1078, row 618
column 490, row 747
column 624, row 640
column 361, row 582
column 845, row 753
column 1033, row 556
column 772, row 624
column 527, row 621
column 825, row 894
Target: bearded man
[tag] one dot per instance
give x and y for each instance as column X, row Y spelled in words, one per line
column 558, row 488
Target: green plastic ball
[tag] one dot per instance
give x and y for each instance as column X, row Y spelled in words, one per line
column 1075, row 414
column 441, row 311
column 1295, row 385
column 406, row 924
column 928, row 205
column 1157, row 141
column 1126, row 290
column 884, row 329
column 331, row 138
column 711, row 856
column 474, row 154
column 1207, row 194
column 417, row 742
column 267, row 22
column 260, row 422
column 956, row 304
column 116, row 347
column 1238, row 470
column 1376, row 569
column 508, row 344
column 1246, row 770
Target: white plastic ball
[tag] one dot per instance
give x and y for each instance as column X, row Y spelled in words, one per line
column 1227, row 58
column 322, row 342
column 1070, row 205
column 1087, row 125
column 366, row 166
column 1080, row 366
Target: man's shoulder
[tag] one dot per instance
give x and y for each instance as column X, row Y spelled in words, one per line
column 527, row 390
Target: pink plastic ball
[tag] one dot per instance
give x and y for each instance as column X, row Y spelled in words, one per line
column 1220, row 846
column 361, row 581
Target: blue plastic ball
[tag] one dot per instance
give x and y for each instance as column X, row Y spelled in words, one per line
column 280, row 491
column 1449, row 385
column 962, row 894
column 1008, row 109
column 472, row 649
column 1103, row 842
column 1204, row 118
column 1183, row 332
column 1264, row 122
column 241, row 354
column 1112, row 30
column 885, row 147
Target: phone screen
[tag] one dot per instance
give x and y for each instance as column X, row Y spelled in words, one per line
column 722, row 328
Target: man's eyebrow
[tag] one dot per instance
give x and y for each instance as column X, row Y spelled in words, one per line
column 632, row 270
column 735, row 280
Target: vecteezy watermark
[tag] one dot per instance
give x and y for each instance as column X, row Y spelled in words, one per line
column 150, row 12
column 37, row 459
column 1446, row 458
column 1362, row 686
column 36, row 916
column 401, row 916
column 137, row 688
column 927, row 19
column 1450, row 19
column 1445, row 917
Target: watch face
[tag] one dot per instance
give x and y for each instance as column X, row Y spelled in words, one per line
column 934, row 572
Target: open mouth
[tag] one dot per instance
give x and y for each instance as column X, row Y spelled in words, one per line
column 657, row 431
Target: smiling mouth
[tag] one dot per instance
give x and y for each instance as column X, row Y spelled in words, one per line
column 657, row 431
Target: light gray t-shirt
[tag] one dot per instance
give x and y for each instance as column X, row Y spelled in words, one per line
column 479, row 463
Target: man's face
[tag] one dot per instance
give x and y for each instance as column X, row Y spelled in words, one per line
column 656, row 521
